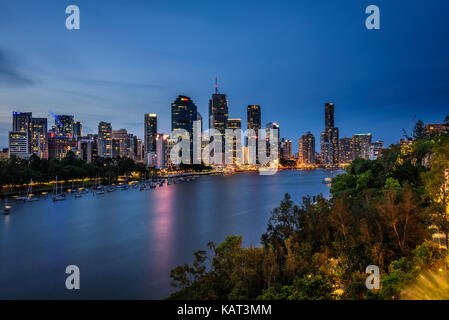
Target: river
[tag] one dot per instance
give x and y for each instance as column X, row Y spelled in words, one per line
column 126, row 242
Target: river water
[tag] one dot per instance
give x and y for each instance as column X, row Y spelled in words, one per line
column 126, row 242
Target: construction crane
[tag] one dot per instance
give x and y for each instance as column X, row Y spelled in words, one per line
column 56, row 119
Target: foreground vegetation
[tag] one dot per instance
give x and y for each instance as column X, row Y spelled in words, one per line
column 17, row 171
column 381, row 212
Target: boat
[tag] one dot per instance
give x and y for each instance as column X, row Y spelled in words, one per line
column 29, row 194
column 7, row 210
column 143, row 187
column 78, row 195
column 327, row 180
column 58, row 196
column 99, row 190
column 152, row 185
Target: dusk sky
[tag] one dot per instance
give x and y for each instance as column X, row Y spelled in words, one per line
column 290, row 57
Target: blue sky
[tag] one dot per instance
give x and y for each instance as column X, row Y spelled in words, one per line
column 135, row 57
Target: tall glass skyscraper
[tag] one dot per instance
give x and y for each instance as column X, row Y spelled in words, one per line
column 329, row 137
column 183, row 114
column 150, row 132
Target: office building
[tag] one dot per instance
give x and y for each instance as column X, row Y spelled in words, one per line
column 150, row 130
column 286, row 149
column 18, row 144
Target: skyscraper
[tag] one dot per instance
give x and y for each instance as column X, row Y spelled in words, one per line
column 104, row 140
column 123, row 143
column 345, row 150
column 64, row 126
column 21, row 122
column 286, row 149
column 77, row 130
column 183, row 114
column 329, row 137
column 329, row 115
column 150, row 132
column 218, row 111
column 361, row 145
column 39, row 137
column 235, row 124
column 272, row 128
column 161, row 150
column 18, row 144
column 306, row 149
column 254, row 117
column 254, row 123
column 375, row 150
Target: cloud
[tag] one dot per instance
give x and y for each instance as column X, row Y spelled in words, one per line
column 10, row 74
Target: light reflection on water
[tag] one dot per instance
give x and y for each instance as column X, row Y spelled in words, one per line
column 126, row 242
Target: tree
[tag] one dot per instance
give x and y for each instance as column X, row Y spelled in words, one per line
column 419, row 132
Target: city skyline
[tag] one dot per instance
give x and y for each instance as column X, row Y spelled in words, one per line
column 290, row 77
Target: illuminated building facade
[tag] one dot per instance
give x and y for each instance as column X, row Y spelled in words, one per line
column 306, row 149
column 18, row 144
column 39, row 145
column 64, row 126
column 104, row 140
column 77, row 129
column 21, row 122
column 59, row 146
column 235, row 124
column 150, row 132
column 286, row 149
column 329, row 137
column 376, row 149
column 183, row 114
column 122, row 146
column 361, row 145
column 254, row 117
column 345, row 150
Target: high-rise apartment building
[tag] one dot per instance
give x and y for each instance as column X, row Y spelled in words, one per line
column 64, row 126
column 375, row 150
column 306, row 149
column 361, row 145
column 345, row 150
column 104, row 140
column 39, row 143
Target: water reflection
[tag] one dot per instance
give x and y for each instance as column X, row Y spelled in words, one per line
column 126, row 242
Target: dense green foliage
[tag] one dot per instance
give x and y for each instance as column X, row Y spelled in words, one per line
column 381, row 212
